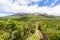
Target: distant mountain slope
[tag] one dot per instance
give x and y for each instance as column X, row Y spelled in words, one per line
column 24, row 16
column 50, row 20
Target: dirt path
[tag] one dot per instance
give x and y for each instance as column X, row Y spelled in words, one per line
column 39, row 34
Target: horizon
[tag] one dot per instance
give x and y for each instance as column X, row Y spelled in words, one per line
column 9, row 7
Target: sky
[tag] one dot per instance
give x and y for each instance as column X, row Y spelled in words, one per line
column 29, row 6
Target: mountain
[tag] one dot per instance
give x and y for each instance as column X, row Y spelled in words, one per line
column 19, row 16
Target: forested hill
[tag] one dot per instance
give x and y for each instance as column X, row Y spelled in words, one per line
column 30, row 27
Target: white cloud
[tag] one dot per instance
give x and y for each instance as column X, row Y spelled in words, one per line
column 9, row 6
column 46, row 1
column 53, row 3
column 56, row 10
column 22, row 2
column 3, row 14
column 5, row 2
column 56, row 0
column 25, row 2
column 36, row 0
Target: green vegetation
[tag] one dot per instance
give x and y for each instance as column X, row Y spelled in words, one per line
column 30, row 27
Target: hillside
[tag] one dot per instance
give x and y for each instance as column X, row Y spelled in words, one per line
column 33, row 17
column 30, row 27
column 19, row 15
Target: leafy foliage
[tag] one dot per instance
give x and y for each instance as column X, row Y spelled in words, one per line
column 25, row 28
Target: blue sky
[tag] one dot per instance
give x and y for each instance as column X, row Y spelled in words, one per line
column 29, row 6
